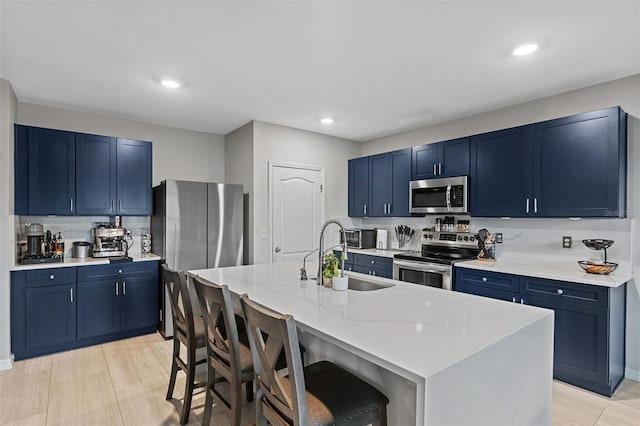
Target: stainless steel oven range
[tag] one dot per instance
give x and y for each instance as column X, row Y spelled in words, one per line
column 433, row 264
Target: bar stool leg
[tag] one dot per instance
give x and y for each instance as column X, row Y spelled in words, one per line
column 174, row 369
column 188, row 388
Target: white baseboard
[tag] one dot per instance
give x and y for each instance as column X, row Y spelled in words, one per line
column 7, row 363
column 632, row 374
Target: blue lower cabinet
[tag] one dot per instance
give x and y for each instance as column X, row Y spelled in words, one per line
column 589, row 324
column 52, row 312
column 372, row 265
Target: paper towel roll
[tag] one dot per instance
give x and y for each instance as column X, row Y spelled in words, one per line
column 381, row 239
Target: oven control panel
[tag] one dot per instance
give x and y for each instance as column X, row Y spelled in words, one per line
column 449, row 238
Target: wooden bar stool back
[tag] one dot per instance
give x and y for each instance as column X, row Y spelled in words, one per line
column 319, row 394
column 225, row 354
column 188, row 331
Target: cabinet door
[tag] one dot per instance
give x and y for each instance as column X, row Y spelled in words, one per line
column 455, row 158
column 501, row 173
column 580, row 340
column 95, row 175
column 579, row 165
column 51, row 172
column 358, row 187
column 98, row 307
column 400, row 178
column 140, row 302
column 379, row 184
column 50, row 315
column 425, row 160
column 133, row 177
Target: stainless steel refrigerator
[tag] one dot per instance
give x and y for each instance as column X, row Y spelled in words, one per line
column 195, row 225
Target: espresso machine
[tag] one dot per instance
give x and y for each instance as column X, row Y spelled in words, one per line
column 110, row 241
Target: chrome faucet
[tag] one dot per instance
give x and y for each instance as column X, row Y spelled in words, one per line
column 303, row 270
column 321, row 249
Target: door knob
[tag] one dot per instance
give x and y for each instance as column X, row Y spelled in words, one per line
column 277, row 250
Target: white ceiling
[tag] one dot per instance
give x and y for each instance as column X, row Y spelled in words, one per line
column 377, row 67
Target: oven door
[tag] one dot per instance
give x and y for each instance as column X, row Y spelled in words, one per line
column 422, row 273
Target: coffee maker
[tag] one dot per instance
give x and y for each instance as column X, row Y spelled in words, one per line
column 35, row 238
column 110, row 241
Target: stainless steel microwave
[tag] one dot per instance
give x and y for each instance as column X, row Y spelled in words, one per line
column 446, row 195
column 360, row 238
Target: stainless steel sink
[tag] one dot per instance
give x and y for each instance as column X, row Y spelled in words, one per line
column 360, row 285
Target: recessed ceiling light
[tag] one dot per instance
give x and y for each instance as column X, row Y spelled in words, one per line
column 525, row 49
column 326, row 120
column 171, row 84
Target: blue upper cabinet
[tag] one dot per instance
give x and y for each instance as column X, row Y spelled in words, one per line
column 134, row 179
column 442, row 159
column 379, row 184
column 65, row 173
column 95, row 175
column 569, row 167
column 501, row 170
column 580, row 165
column 44, row 171
column 359, row 187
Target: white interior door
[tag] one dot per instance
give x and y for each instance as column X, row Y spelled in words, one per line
column 297, row 210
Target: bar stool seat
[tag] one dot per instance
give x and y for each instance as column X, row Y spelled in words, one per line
column 335, row 396
column 319, row 394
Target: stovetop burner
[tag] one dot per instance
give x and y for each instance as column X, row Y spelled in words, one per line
column 443, row 248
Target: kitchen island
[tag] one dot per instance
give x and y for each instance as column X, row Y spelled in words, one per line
column 441, row 357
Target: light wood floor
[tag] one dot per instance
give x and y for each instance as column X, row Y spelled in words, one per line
column 125, row 382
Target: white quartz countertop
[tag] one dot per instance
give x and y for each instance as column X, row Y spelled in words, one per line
column 549, row 268
column 70, row 261
column 410, row 328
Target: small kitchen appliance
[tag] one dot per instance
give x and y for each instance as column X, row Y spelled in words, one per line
column 432, row 265
column 35, row 239
column 110, row 241
column 381, row 239
column 359, row 238
column 446, row 195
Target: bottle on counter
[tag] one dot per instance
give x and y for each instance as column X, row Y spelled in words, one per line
column 59, row 245
column 48, row 244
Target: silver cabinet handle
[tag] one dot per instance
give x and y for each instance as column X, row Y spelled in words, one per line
column 514, row 299
column 71, row 204
column 373, row 261
column 560, row 291
column 71, row 295
column 439, row 168
column 373, row 273
column 113, row 204
column 365, row 209
column 116, row 288
column 535, row 205
column 119, row 271
column 124, row 288
column 527, row 206
column 434, row 169
column 119, row 205
column 484, row 279
column 522, row 301
column 51, row 276
column 389, row 209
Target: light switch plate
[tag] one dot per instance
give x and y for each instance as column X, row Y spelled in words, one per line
column 566, row 242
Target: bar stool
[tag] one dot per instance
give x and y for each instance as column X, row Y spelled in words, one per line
column 187, row 331
column 319, row 394
column 225, row 354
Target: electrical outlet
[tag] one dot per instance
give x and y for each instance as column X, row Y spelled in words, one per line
column 498, row 237
column 566, row 242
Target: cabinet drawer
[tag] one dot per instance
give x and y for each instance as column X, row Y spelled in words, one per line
column 562, row 291
column 372, row 261
column 494, row 280
column 50, row 276
column 463, row 287
column 117, row 270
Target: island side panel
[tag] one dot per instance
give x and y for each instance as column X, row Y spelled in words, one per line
column 506, row 383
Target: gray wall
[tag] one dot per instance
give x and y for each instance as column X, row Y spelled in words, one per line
column 8, row 108
column 293, row 146
column 624, row 92
column 177, row 153
column 238, row 154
